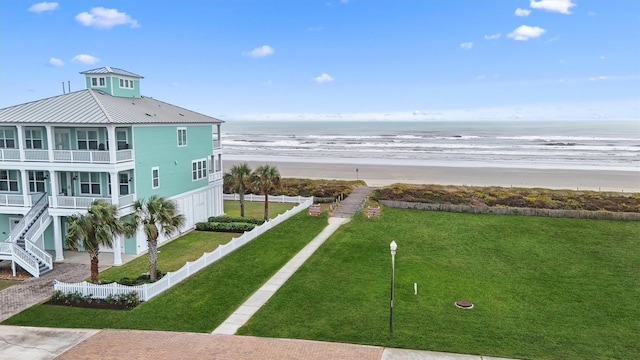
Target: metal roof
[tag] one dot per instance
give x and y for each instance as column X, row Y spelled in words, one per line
column 112, row 70
column 96, row 107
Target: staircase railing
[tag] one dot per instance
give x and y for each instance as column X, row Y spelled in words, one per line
column 16, row 232
column 25, row 260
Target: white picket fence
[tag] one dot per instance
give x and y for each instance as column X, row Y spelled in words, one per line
column 148, row 291
column 272, row 198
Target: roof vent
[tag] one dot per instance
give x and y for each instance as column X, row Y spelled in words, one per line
column 147, row 114
column 180, row 114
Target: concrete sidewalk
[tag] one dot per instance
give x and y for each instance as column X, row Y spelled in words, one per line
column 262, row 295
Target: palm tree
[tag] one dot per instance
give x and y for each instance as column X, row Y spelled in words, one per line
column 265, row 179
column 95, row 228
column 156, row 215
column 237, row 179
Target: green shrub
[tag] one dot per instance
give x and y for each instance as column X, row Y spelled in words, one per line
column 129, row 300
column 236, row 219
column 142, row 279
column 235, row 227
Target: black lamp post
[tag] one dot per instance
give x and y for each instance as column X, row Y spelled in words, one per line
column 393, row 248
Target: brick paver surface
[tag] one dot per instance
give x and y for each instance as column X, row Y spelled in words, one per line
column 135, row 344
column 31, row 291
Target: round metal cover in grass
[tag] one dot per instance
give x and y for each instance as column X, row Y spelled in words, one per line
column 464, row 304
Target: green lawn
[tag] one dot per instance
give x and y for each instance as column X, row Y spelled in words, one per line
column 6, row 283
column 171, row 256
column 543, row 288
column 256, row 209
column 203, row 301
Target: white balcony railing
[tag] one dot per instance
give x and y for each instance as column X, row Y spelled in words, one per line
column 126, row 200
column 217, row 144
column 36, row 155
column 9, row 154
column 11, row 200
column 81, row 156
column 124, row 155
column 81, row 202
column 213, row 176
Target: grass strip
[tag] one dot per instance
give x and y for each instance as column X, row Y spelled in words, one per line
column 171, row 256
column 254, row 209
column 202, row 302
column 543, row 288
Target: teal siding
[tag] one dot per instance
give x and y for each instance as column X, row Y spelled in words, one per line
column 158, row 146
column 126, row 92
column 49, row 241
column 4, row 225
column 130, row 245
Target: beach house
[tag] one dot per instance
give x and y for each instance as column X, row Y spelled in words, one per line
column 108, row 142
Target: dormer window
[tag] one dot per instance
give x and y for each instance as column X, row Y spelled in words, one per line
column 126, row 84
column 96, row 81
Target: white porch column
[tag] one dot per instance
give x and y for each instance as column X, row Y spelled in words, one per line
column 57, row 238
column 21, row 144
column 117, row 251
column 50, row 141
column 25, row 187
column 115, row 187
column 113, row 143
column 54, row 189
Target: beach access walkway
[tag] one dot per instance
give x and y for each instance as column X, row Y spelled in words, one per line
column 19, row 343
column 342, row 214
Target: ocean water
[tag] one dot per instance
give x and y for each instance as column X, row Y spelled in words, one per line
column 587, row 145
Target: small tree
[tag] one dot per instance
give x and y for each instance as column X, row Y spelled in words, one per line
column 156, row 215
column 237, row 179
column 97, row 227
column 265, row 179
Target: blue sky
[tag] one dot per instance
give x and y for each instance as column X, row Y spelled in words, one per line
column 355, row 59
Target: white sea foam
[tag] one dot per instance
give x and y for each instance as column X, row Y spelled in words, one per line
column 603, row 145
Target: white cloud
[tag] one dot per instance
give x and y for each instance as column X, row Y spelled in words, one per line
column 524, row 32
column 55, row 62
column 592, row 13
column 601, row 78
column 85, row 59
column 493, row 36
column 105, row 18
column 43, row 6
column 323, row 78
column 522, row 12
column 467, row 45
column 561, row 6
column 262, row 51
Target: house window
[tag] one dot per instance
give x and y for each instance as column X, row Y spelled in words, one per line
column 96, row 81
column 36, row 182
column 33, row 138
column 124, row 183
column 7, row 139
column 182, row 137
column 122, row 139
column 9, row 180
column 90, row 183
column 155, row 177
column 87, row 139
column 199, row 169
column 127, row 84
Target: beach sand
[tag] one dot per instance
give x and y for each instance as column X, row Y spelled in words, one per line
column 382, row 175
